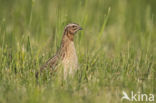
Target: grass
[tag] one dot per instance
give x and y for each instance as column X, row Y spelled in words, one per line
column 116, row 50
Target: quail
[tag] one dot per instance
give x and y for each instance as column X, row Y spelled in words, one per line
column 66, row 55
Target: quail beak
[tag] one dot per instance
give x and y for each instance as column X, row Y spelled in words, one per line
column 80, row 28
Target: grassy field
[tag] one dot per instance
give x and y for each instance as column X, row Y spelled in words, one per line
column 116, row 50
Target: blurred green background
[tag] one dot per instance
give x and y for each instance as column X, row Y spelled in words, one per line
column 116, row 49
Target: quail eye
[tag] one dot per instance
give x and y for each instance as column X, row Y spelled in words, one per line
column 73, row 26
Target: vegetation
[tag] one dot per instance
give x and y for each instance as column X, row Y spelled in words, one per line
column 116, row 50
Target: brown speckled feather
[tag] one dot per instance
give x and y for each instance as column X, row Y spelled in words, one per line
column 51, row 63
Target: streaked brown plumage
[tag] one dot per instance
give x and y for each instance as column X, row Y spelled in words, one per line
column 66, row 55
